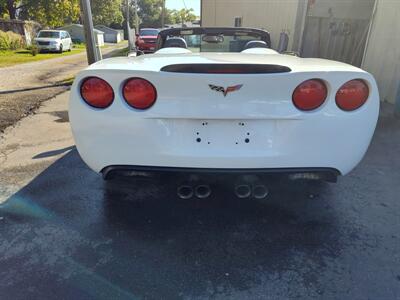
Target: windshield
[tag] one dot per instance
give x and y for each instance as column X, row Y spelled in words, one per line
column 49, row 34
column 215, row 39
column 152, row 32
column 217, row 43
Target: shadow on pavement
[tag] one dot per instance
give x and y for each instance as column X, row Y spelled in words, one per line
column 67, row 235
column 53, row 152
column 26, row 89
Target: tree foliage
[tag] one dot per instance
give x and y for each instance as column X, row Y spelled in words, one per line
column 3, row 9
column 56, row 13
column 182, row 16
column 51, row 13
column 106, row 12
column 9, row 8
column 149, row 12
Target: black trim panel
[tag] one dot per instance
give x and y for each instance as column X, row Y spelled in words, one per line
column 225, row 68
column 327, row 174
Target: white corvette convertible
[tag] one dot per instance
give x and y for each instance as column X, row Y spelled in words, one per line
column 220, row 101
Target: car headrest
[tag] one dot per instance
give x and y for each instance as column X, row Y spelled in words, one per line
column 173, row 50
column 260, row 51
column 176, row 42
column 255, row 44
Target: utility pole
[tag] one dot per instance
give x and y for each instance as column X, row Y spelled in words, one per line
column 136, row 17
column 163, row 15
column 397, row 101
column 128, row 29
column 93, row 54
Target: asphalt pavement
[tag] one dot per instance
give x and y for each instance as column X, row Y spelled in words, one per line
column 24, row 87
column 65, row 234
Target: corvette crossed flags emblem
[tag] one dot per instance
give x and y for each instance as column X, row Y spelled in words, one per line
column 224, row 91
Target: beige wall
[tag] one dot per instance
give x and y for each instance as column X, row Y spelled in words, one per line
column 382, row 56
column 271, row 15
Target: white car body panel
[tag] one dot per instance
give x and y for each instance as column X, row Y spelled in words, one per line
column 260, row 51
column 280, row 135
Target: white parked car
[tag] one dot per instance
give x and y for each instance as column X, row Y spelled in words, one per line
column 54, row 40
column 230, row 105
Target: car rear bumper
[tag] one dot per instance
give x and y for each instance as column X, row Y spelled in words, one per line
column 326, row 174
column 185, row 129
column 111, row 140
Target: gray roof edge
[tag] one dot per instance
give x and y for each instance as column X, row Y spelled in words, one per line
column 81, row 26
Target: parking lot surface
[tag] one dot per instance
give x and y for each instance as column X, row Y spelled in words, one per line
column 24, row 87
column 65, row 234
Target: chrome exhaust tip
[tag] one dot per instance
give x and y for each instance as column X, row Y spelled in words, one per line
column 202, row 191
column 185, row 192
column 242, row 191
column 260, row 191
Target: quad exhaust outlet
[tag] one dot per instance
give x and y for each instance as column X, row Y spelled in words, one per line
column 260, row 191
column 251, row 188
column 201, row 191
column 243, row 191
column 185, row 192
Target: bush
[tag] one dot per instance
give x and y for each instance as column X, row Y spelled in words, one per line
column 76, row 41
column 10, row 41
column 34, row 50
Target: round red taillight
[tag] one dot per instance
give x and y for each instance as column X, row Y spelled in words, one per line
column 97, row 92
column 352, row 95
column 310, row 94
column 139, row 93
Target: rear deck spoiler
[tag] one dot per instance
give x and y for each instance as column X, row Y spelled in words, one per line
column 225, row 68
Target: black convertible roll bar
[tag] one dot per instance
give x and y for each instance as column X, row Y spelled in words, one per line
column 228, row 31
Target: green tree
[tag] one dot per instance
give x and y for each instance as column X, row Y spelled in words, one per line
column 51, row 13
column 3, row 9
column 183, row 15
column 55, row 13
column 170, row 16
column 106, row 12
column 10, row 8
column 149, row 12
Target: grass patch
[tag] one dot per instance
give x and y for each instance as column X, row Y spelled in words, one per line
column 10, row 58
column 79, row 46
column 121, row 52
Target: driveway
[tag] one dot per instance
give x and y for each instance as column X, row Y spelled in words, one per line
column 23, row 87
column 65, row 235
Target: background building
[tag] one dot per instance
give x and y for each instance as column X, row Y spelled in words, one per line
column 274, row 16
column 78, row 35
column 382, row 52
column 364, row 33
column 111, row 35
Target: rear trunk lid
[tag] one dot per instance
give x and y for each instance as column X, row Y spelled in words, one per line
column 193, row 86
